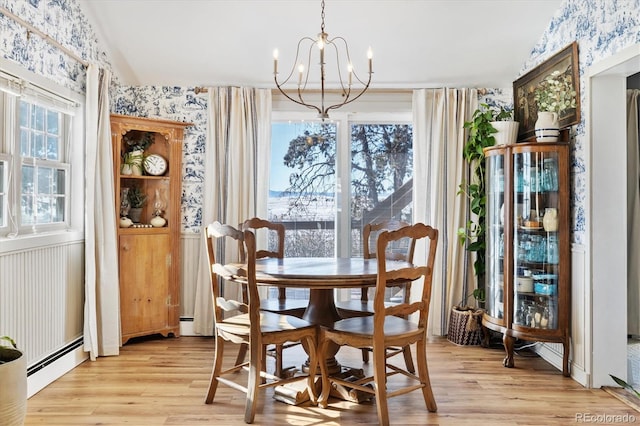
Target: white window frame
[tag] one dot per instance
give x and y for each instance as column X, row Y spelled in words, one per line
column 17, row 83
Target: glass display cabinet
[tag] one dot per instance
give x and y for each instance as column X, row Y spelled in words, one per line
column 147, row 162
column 528, row 264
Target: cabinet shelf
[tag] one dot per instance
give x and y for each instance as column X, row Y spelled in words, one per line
column 525, row 193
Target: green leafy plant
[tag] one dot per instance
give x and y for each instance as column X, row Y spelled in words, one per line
column 625, row 385
column 137, row 198
column 138, row 141
column 7, row 355
column 474, row 233
column 555, row 93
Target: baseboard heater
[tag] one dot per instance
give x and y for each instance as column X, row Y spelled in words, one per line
column 55, row 356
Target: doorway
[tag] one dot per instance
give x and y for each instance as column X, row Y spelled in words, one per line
column 633, row 204
column 606, row 88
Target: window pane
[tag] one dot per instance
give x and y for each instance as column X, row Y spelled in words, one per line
column 53, row 119
column 381, row 176
column 44, row 180
column 302, row 186
column 52, row 148
column 59, row 182
column 37, row 121
column 43, row 213
column 58, row 210
column 24, row 143
column 26, row 210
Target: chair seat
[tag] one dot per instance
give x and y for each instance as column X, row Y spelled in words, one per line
column 295, row 307
column 349, row 308
column 269, row 323
column 363, row 326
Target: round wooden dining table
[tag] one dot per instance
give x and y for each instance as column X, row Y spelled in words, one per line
column 321, row 275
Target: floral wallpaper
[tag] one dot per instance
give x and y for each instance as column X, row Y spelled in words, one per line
column 601, row 28
column 179, row 104
column 63, row 21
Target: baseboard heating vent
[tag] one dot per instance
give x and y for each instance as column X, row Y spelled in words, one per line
column 55, row 356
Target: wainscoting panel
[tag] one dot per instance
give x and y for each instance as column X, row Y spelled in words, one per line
column 580, row 324
column 42, row 297
column 190, row 251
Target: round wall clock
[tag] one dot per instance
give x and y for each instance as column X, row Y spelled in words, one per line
column 155, row 165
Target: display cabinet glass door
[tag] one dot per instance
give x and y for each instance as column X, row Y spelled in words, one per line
column 535, row 242
column 494, row 253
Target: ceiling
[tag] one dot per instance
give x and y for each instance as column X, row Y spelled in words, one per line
column 415, row 43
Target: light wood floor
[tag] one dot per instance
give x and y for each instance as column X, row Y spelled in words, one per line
column 163, row 381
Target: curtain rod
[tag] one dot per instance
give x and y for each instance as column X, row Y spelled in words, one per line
column 201, row 89
column 31, row 29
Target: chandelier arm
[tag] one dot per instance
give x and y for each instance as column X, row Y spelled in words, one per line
column 295, row 100
column 348, row 101
column 333, row 44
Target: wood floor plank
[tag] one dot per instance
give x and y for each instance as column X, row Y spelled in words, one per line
column 163, row 381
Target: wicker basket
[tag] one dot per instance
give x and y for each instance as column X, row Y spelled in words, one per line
column 465, row 326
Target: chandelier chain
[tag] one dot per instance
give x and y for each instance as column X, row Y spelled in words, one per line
column 322, row 17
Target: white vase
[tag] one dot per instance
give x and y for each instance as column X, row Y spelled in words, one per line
column 547, row 128
column 507, row 132
column 550, row 219
column 13, row 386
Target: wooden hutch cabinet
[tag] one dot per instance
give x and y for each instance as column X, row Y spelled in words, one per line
column 147, row 161
column 528, row 264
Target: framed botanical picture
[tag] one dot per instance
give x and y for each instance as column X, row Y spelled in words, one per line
column 552, row 86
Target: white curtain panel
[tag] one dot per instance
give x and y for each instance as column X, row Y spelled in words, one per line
column 633, row 214
column 439, row 137
column 236, row 174
column 101, row 307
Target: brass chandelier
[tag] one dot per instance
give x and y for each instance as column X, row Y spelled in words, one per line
column 345, row 79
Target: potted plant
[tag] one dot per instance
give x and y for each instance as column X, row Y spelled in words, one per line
column 13, row 382
column 137, row 142
column 506, row 127
column 553, row 96
column 481, row 135
column 137, row 200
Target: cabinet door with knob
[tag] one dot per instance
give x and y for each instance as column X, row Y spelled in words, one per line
column 147, row 161
column 528, row 223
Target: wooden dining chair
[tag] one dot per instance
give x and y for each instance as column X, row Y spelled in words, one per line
column 245, row 324
column 281, row 305
column 388, row 327
column 399, row 250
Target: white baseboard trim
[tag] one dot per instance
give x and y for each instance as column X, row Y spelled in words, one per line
column 186, row 327
column 58, row 368
column 554, row 358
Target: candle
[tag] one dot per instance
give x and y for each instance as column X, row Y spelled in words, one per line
column 275, row 61
column 301, row 71
column 350, row 68
column 370, row 56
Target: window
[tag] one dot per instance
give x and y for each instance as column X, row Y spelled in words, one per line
column 43, row 176
column 312, row 162
column 35, row 158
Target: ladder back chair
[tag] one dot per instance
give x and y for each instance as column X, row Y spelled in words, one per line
column 245, row 324
column 388, row 327
column 281, row 305
column 399, row 250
